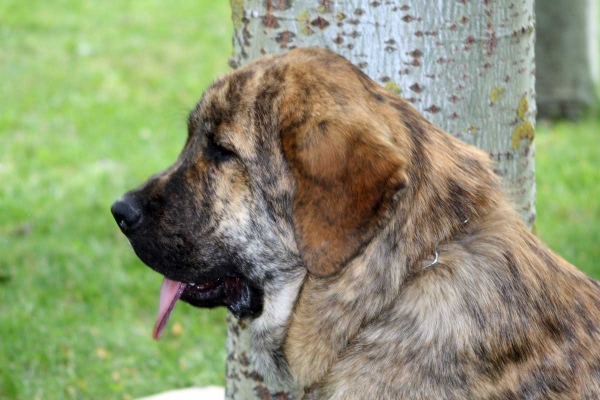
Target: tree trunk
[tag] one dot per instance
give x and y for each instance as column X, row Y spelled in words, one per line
column 567, row 57
column 467, row 65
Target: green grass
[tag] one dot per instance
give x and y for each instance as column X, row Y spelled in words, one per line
column 568, row 185
column 93, row 98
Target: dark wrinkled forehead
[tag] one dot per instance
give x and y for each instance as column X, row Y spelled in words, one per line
column 241, row 94
column 288, row 90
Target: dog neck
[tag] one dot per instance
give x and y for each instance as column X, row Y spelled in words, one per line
column 269, row 330
column 449, row 182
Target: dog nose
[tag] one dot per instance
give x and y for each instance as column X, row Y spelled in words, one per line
column 127, row 213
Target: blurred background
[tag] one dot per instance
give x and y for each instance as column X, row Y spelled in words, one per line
column 93, row 99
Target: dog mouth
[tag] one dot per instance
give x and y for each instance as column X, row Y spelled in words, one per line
column 235, row 293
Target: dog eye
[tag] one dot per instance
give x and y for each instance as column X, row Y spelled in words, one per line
column 216, row 152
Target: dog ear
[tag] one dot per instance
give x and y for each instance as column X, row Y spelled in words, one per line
column 346, row 179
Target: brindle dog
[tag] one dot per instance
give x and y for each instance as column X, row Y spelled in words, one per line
column 312, row 201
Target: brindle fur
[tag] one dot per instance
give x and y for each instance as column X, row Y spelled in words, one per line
column 338, row 177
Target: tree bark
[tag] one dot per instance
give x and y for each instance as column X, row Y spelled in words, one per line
column 567, row 57
column 467, row 65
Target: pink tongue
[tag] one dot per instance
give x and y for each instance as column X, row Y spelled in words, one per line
column 170, row 292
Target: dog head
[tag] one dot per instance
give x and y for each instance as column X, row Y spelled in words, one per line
column 286, row 165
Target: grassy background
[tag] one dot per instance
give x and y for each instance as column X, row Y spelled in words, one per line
column 93, row 98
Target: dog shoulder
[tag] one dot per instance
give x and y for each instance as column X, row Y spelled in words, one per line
column 498, row 315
